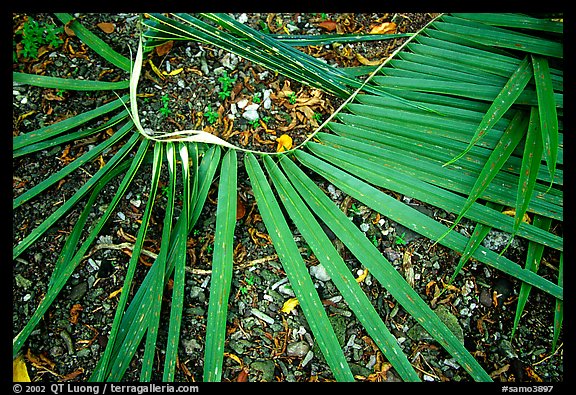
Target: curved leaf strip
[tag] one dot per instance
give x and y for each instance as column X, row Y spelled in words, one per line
column 370, row 256
column 339, row 272
column 59, row 175
column 303, row 40
column 297, row 272
column 505, row 99
column 514, row 20
column 179, row 274
column 559, row 310
column 371, row 164
column 222, row 267
column 506, row 145
column 71, row 136
column 530, row 165
column 500, row 37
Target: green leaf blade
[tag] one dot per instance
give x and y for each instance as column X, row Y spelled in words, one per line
column 295, row 268
column 547, row 111
column 222, row 268
column 505, row 99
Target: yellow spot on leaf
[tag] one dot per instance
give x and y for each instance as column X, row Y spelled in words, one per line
column 19, row 370
column 284, row 143
column 289, row 305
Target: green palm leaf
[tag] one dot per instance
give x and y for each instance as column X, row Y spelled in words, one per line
column 295, row 268
column 339, row 272
column 222, row 264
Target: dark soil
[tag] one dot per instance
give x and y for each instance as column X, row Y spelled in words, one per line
column 263, row 344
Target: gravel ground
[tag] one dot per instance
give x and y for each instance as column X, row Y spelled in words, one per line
column 263, row 343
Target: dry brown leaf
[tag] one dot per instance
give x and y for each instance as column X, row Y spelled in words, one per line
column 40, row 361
column 328, row 25
column 163, row 49
column 51, row 96
column 242, row 376
column 75, row 312
column 367, row 62
column 73, row 375
column 106, row 27
column 383, row 28
column 69, row 31
column 240, row 209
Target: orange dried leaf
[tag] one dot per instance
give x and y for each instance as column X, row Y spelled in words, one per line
column 383, row 28
column 242, row 376
column 73, row 375
column 328, row 25
column 75, row 312
column 69, row 31
column 163, row 49
column 240, row 209
column 284, row 143
column 106, row 27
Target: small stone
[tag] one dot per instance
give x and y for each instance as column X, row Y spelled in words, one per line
column 22, row 282
column 190, row 345
column 286, row 289
column 503, row 288
column 242, row 103
column 297, row 349
column 78, row 291
column 266, row 368
column 266, row 102
column 243, row 18
column 197, row 293
column 264, row 317
column 230, row 61
column 251, row 115
column 319, row 272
